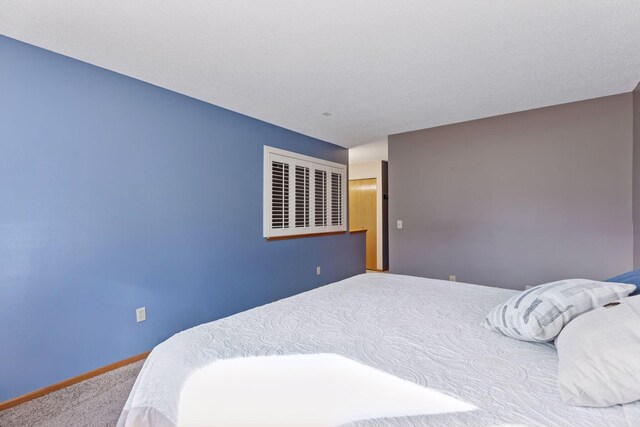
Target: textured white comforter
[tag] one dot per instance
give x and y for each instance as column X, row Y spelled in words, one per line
column 425, row 331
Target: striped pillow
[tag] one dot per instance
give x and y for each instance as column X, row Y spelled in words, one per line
column 539, row 314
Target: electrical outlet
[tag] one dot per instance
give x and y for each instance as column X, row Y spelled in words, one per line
column 399, row 224
column 141, row 314
column 452, row 278
column 317, row 270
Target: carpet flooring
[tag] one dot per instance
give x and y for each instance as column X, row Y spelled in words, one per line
column 95, row 402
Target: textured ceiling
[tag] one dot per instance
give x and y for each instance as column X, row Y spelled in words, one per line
column 372, row 151
column 379, row 67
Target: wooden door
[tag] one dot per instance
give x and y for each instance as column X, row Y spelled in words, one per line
column 363, row 214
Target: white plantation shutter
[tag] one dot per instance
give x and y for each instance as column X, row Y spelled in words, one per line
column 302, row 195
column 320, row 191
column 279, row 195
column 336, row 199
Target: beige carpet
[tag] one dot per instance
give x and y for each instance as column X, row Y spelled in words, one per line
column 94, row 402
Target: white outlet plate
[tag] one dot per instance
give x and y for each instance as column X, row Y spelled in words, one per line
column 452, row 278
column 399, row 223
column 141, row 314
column 317, row 270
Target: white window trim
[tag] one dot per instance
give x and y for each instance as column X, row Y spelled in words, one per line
column 313, row 164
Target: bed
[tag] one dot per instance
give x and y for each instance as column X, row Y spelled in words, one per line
column 425, row 331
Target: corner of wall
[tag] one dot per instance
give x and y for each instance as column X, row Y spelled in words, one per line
column 636, row 176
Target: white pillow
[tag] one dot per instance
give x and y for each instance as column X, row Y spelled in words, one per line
column 539, row 314
column 599, row 356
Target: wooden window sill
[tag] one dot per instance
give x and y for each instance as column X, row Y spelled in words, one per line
column 358, row 230
column 329, row 233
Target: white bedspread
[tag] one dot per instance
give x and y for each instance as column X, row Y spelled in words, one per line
column 425, row 331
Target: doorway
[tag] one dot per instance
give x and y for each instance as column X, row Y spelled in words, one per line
column 363, row 214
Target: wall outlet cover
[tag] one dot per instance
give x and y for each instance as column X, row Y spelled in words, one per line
column 317, row 270
column 452, row 278
column 141, row 314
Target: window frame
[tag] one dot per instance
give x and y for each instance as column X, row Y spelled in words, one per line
column 313, row 163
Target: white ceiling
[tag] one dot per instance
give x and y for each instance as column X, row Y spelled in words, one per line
column 380, row 67
column 372, row 151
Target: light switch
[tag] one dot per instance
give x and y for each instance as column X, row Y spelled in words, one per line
column 399, row 224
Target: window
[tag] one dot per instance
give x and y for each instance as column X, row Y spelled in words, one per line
column 302, row 195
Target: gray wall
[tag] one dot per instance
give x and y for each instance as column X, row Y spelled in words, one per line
column 518, row 199
column 636, row 177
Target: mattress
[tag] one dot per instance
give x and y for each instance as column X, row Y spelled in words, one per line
column 425, row 331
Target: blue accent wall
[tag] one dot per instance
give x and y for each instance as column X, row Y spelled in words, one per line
column 116, row 194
